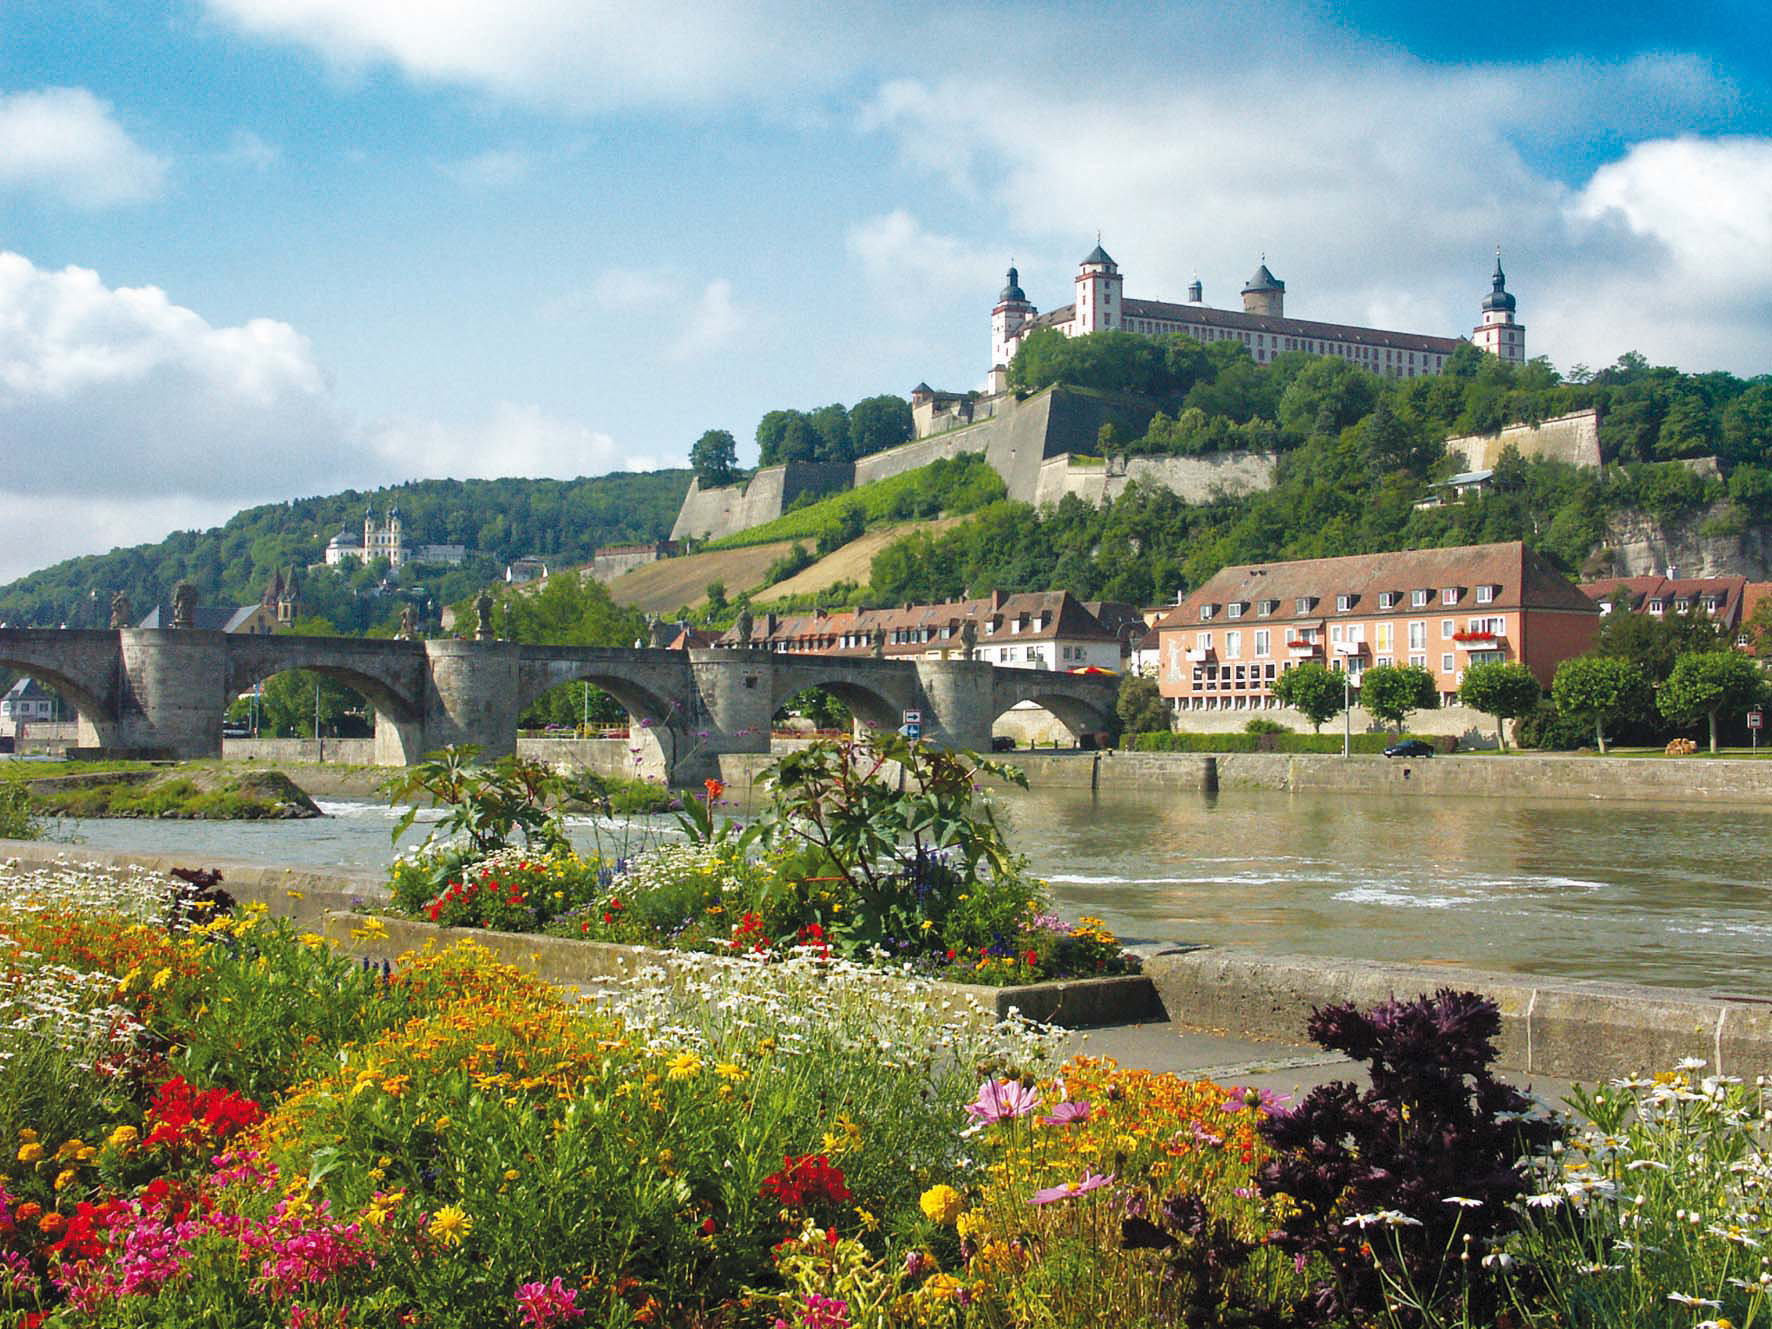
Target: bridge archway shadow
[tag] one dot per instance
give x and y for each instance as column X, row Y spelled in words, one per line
column 660, row 735
column 97, row 725
column 1075, row 714
column 871, row 708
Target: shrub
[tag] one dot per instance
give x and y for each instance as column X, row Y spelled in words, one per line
column 1381, row 1187
column 1284, row 741
column 1260, row 724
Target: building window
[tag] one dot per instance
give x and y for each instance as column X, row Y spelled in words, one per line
column 1233, row 645
column 1205, row 641
column 1267, row 607
column 1418, row 599
column 1418, row 661
column 1305, row 603
column 1448, row 663
column 1447, row 628
column 1656, row 606
column 1261, row 642
column 1417, row 636
column 1383, row 638
column 1485, row 595
column 1449, row 595
column 1387, row 599
column 1235, row 609
column 1205, row 613
column 1343, row 603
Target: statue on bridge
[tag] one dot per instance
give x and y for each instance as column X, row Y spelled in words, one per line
column 880, row 644
column 408, row 624
column 745, row 623
column 184, row 605
column 119, row 611
column 483, row 617
column 969, row 637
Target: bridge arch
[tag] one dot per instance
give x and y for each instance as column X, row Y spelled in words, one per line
column 1083, row 704
column 877, row 698
column 95, row 713
column 661, row 723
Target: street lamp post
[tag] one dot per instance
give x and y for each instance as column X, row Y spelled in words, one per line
column 1347, row 650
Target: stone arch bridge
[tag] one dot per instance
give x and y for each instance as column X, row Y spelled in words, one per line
column 163, row 691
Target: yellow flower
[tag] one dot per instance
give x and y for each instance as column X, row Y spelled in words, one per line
column 868, row 1222
column 30, row 1153
column 684, row 1066
column 123, row 1137
column 450, row 1224
column 66, row 1177
column 441, row 1124
column 944, row 1286
column 970, row 1224
column 511, row 1174
column 942, row 1204
column 161, row 978
column 727, row 1070
column 382, row 1206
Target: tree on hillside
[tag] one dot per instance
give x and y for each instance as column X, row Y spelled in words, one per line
column 714, row 458
column 1140, row 706
column 851, row 520
column 1315, row 691
column 878, row 423
column 1391, row 693
column 831, row 424
column 1707, row 683
column 1502, row 688
column 1600, row 690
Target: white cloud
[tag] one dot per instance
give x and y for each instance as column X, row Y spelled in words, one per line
column 582, row 57
column 246, row 148
column 636, row 288
column 492, row 169
column 714, row 323
column 64, row 143
column 514, row 440
column 125, row 415
column 1376, row 185
column 903, row 258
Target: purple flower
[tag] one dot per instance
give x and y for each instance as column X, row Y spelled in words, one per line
column 1001, row 1099
column 1070, row 1190
column 1067, row 1113
column 1265, row 1099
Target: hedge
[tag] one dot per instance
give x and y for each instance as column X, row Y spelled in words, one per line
column 1368, row 745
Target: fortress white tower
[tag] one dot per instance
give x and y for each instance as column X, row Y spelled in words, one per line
column 1012, row 311
column 1099, row 305
column 1498, row 334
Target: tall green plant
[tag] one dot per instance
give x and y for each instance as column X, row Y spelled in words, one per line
column 489, row 804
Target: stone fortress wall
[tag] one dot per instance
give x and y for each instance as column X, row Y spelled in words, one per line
column 611, row 561
column 1574, row 438
column 709, row 514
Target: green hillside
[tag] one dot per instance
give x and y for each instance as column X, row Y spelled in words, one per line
column 498, row 520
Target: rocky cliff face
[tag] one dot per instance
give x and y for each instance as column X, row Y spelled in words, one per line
column 1642, row 546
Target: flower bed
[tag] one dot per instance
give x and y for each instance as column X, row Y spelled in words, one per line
column 212, row 1119
column 878, row 850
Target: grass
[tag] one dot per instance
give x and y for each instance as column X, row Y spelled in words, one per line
column 961, row 485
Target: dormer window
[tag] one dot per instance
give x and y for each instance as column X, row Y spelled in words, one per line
column 1449, row 595
column 1419, row 598
column 990, row 627
column 1267, row 607
column 1486, row 594
column 1605, row 608
column 1235, row 609
column 1304, row 604
column 1387, row 599
column 1710, row 604
column 1344, row 602
column 1683, row 605
column 1015, row 626
column 1657, row 606
column 1206, row 612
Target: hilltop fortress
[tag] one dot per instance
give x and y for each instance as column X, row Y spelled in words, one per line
column 1046, row 445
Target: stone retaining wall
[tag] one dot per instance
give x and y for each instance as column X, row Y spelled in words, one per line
column 1562, row 1028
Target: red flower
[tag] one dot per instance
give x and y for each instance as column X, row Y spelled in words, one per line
column 1033, row 958
column 805, row 1181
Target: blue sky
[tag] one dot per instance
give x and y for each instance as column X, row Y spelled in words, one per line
column 251, row 249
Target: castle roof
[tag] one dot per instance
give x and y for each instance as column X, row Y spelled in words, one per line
column 1263, row 280
column 1012, row 292
column 1099, row 255
column 1236, row 320
column 1498, row 299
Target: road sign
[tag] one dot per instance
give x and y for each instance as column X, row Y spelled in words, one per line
column 1756, row 719
column 913, row 717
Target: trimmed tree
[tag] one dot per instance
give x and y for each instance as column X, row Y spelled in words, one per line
column 1315, row 691
column 1502, row 688
column 714, row 458
column 1706, row 683
column 1600, row 690
column 1140, row 706
column 1391, row 693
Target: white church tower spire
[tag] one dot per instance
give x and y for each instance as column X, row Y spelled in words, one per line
column 1013, row 312
column 1498, row 333
column 1098, row 307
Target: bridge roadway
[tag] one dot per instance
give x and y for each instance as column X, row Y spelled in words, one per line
column 163, row 691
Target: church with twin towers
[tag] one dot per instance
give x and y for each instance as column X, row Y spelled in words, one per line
column 1260, row 326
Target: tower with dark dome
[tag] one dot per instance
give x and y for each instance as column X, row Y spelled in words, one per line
column 1012, row 312
column 1499, row 333
column 1264, row 293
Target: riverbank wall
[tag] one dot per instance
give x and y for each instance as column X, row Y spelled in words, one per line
column 1561, row 1028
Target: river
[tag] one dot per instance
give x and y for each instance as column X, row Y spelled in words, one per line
column 1668, row 895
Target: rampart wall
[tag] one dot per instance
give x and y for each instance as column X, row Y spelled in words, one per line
column 1196, row 479
column 1573, row 438
column 727, row 509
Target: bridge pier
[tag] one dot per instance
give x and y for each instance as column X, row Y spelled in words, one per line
column 958, row 698
column 472, row 695
column 732, row 709
column 173, row 690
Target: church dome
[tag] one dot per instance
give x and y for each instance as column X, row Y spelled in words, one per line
column 1498, row 300
column 1012, row 289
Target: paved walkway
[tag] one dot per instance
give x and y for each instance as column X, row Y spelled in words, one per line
column 1284, row 1068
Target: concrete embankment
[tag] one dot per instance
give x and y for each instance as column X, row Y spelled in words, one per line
column 1644, row 779
column 1559, row 1028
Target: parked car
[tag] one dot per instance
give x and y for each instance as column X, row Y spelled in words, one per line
column 1002, row 743
column 236, row 731
column 1410, row 747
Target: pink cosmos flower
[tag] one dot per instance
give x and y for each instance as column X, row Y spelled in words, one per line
column 1067, row 1112
column 999, row 1100
column 1070, row 1190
